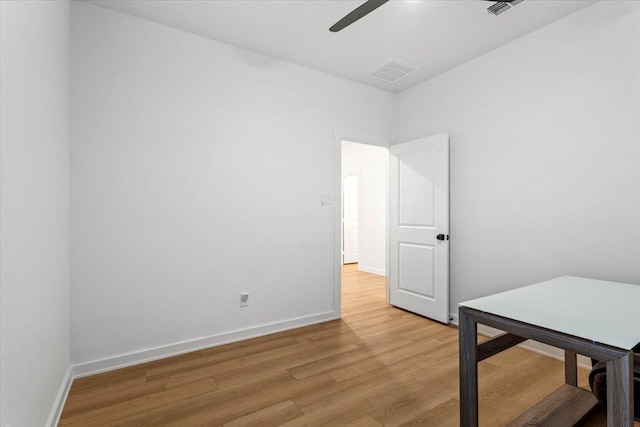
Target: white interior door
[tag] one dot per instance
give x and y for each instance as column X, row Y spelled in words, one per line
column 419, row 226
column 350, row 219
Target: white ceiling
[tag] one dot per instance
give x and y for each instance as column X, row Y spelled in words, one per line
column 435, row 35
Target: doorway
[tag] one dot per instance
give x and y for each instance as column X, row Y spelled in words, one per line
column 363, row 207
column 412, row 246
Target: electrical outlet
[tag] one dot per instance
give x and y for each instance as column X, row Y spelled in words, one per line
column 244, row 299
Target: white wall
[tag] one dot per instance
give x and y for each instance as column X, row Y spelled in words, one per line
column 197, row 169
column 369, row 162
column 34, row 243
column 545, row 153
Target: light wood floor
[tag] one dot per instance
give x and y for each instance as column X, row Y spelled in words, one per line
column 376, row 366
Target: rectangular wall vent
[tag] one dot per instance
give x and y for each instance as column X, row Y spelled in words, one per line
column 502, row 6
column 393, row 70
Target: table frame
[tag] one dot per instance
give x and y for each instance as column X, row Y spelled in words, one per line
column 619, row 362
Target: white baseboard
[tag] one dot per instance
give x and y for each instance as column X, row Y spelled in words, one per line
column 554, row 352
column 124, row 360
column 536, row 347
column 454, row 319
column 374, row 270
column 61, row 398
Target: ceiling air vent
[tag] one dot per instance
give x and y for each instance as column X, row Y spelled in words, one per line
column 498, row 8
column 393, row 70
column 501, row 6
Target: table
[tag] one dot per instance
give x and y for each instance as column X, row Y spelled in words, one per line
column 595, row 318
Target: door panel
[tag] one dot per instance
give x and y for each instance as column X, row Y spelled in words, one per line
column 418, row 213
column 416, row 267
column 416, row 189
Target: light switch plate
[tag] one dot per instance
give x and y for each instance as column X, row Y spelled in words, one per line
column 244, row 299
column 326, row 199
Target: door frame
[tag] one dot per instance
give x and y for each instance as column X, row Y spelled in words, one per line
column 338, row 137
column 342, row 226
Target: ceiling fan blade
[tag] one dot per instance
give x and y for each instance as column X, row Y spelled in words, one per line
column 357, row 13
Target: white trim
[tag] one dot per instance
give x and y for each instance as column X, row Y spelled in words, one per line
column 535, row 346
column 337, row 224
column 61, row 398
column 554, row 352
column 342, row 135
column 372, row 270
column 134, row 358
column 454, row 319
column 387, row 230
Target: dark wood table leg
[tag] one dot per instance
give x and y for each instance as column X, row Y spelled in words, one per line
column 468, row 370
column 570, row 368
column 620, row 392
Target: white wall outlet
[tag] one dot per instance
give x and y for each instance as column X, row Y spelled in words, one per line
column 244, row 299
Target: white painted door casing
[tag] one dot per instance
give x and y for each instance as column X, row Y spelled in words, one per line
column 418, row 213
column 350, row 235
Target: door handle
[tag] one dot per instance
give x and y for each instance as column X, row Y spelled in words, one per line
column 442, row 237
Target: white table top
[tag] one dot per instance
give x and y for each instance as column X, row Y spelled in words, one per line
column 596, row 310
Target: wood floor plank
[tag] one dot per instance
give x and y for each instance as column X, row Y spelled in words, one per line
column 377, row 360
column 364, row 421
column 440, row 416
column 367, row 397
column 335, row 361
column 225, row 353
column 440, row 383
column 124, row 413
column 333, row 419
column 271, row 416
column 343, row 388
column 230, row 358
column 227, row 405
column 245, row 374
column 409, row 409
column 221, row 406
column 99, row 381
column 181, row 379
column 111, row 394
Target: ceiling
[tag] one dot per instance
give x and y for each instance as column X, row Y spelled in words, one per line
column 434, row 35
